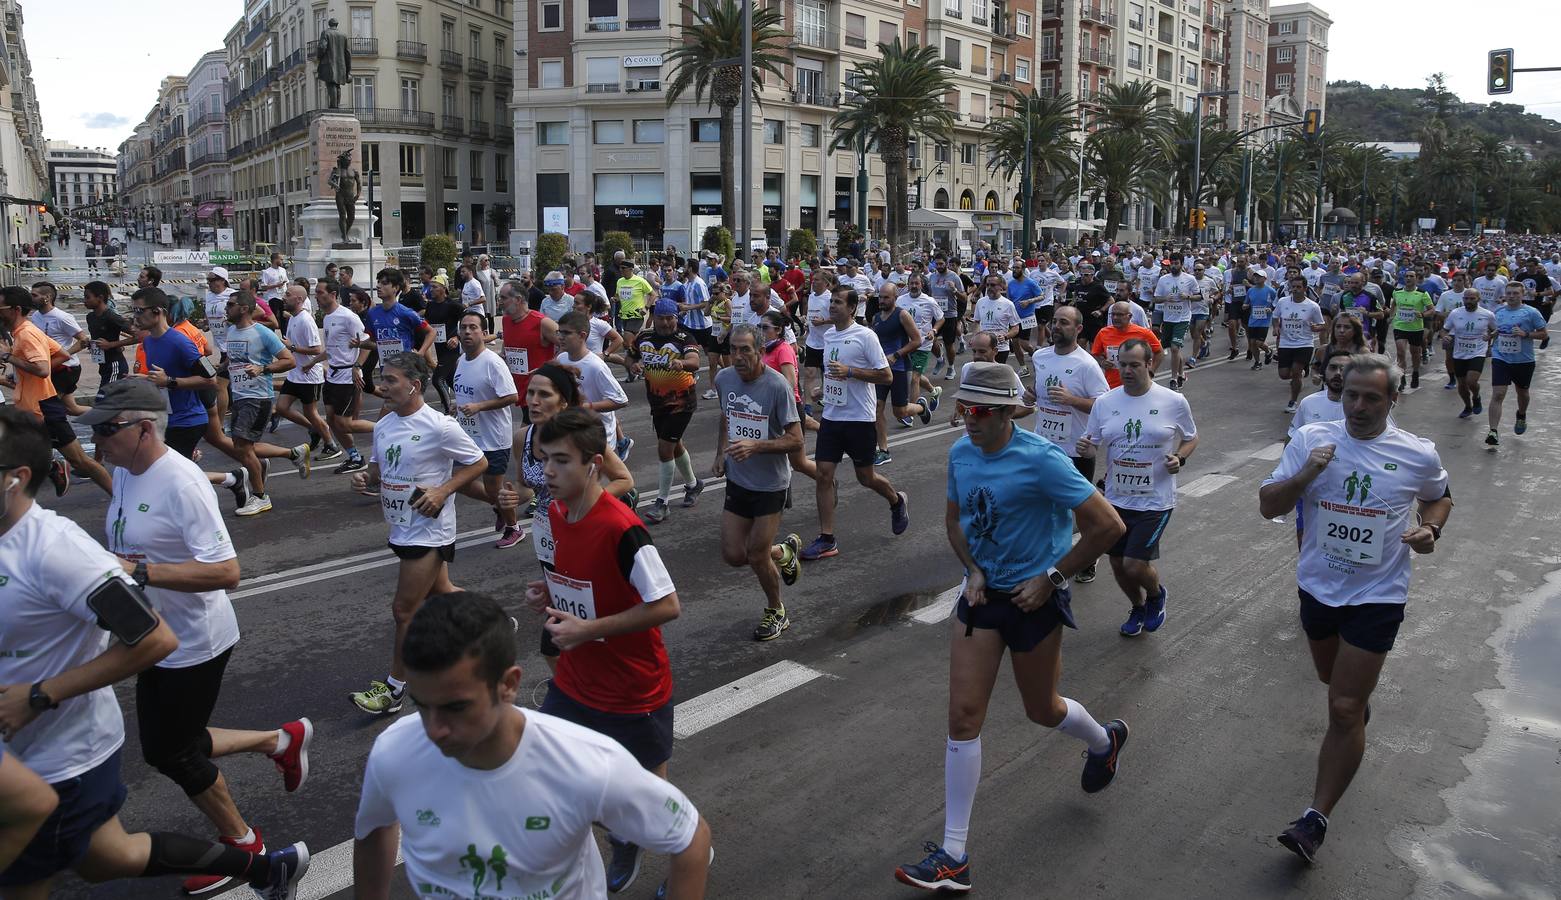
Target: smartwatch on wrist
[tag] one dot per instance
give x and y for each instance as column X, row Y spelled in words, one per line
column 1058, row 580
column 139, row 575
column 1436, row 531
column 40, row 701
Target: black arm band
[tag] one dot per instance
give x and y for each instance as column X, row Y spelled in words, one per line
column 123, row 610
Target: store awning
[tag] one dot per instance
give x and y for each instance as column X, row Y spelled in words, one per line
column 941, row 220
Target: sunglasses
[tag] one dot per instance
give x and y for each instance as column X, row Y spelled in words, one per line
column 109, row 429
column 976, row 411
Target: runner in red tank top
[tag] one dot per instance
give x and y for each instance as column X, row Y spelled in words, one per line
column 530, row 339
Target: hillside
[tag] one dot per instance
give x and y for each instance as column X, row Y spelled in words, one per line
column 1396, row 114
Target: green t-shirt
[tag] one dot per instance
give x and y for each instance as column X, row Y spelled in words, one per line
column 632, row 292
column 1409, row 308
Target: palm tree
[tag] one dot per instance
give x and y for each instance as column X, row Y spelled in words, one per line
column 1123, row 168
column 700, row 63
column 1053, row 150
column 1182, row 134
column 897, row 96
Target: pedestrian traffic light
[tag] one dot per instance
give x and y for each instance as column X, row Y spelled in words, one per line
column 1498, row 74
column 1312, row 123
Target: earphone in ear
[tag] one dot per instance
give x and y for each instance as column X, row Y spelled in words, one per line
column 15, row 480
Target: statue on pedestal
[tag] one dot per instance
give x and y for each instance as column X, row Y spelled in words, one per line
column 333, row 64
column 347, row 186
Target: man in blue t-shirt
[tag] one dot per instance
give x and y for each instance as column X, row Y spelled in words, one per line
column 394, row 327
column 1017, row 497
column 1518, row 325
column 1025, row 292
column 1259, row 308
column 175, row 365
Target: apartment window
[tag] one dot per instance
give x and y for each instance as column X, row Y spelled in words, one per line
column 409, row 99
column 1135, row 56
column 501, row 113
column 774, row 132
column 1046, row 85
column 1022, row 24
column 476, row 161
column 499, row 48
column 941, row 151
column 362, row 23
column 952, row 8
column 856, row 30
column 810, row 135
column 552, row 17
column 363, row 92
column 607, row 132
column 706, row 131
column 411, row 161
column 447, row 35
column 1287, row 27
column 474, row 44
column 601, row 74
column 978, row 59
column 1048, row 45
column 501, row 172
column 475, row 104
column 368, row 154
column 1284, row 54
column 601, row 15
column 1282, row 81
column 552, row 134
column 912, row 38
column 1190, row 70
column 550, row 72
column 978, row 106
column 967, row 154
column 1135, row 16
column 447, row 174
column 1022, row 70
column 644, row 14
column 978, row 11
column 321, row 17
column 650, row 131
column 887, row 32
column 951, row 52
column 409, row 26
column 1083, row 84
column 447, row 103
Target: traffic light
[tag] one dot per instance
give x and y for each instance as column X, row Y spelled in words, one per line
column 1312, row 123
column 1192, row 220
column 1498, row 73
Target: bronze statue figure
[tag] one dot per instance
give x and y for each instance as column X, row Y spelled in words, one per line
column 347, row 186
column 333, row 60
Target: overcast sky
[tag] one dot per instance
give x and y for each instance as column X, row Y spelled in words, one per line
column 97, row 63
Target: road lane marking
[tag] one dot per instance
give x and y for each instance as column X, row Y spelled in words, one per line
column 1208, row 484
column 940, row 608
column 714, row 707
column 1272, row 452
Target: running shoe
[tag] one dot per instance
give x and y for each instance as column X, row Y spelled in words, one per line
column 1520, row 426
column 1414, row 380
column 1268, row 356
column 632, row 498
column 1099, row 770
column 709, row 395
column 300, row 458
column 511, row 536
column 1086, row 574
column 770, row 626
column 938, row 872
column 287, row 866
column 1491, row 439
column 926, row 410
column 379, row 699
column 353, row 464
column 905, row 421
column 949, row 375
column 1192, row 362
column 1154, row 610
column 790, row 569
column 821, row 548
column 1478, row 407
column 240, row 487
column 1451, row 383
column 625, row 865
column 1204, row 352
column 657, row 513
column 59, row 476
column 691, row 493
column 1134, row 626
column 937, row 395
column 1403, row 382
column 328, row 453
column 1290, row 407
column 624, row 448
column 196, row 885
column 276, row 419
column 1467, row 412
column 1023, row 371
column 1233, row 354
column 900, row 514
column 1256, row 366
column 882, row 458
column 293, row 762
column 1305, row 835
column 315, row 440
column 794, row 541
column 258, row 503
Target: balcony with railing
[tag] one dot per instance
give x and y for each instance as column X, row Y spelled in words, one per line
column 1214, row 20
column 411, row 50
column 361, row 46
column 208, row 158
column 816, row 36
column 208, row 118
column 642, row 24
column 480, row 130
column 452, row 125
column 815, row 98
column 642, row 86
column 1051, row 9
column 1100, row 56
column 1135, row 63
column 1213, row 84
column 978, row 117
column 450, row 59
column 605, row 87
column 450, row 181
column 504, row 134
column 1098, row 15
column 503, row 74
column 1050, row 54
column 397, row 118
column 603, row 23
column 1212, row 54
column 477, row 68
column 1166, row 37
column 1191, row 78
column 1164, row 73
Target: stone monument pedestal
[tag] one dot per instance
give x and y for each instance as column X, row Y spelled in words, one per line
column 330, row 135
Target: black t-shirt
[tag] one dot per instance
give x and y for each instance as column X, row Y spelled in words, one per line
column 444, row 312
column 108, row 325
column 1090, row 299
column 413, row 299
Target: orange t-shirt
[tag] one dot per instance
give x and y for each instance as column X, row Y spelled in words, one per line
column 31, row 344
column 1108, row 339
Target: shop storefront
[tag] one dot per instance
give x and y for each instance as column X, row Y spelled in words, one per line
column 631, row 203
column 704, row 204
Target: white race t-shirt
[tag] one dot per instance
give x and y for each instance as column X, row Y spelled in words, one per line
column 50, row 566
column 169, row 514
column 851, row 399
column 1493, row 290
column 926, row 312
column 1174, row 295
column 1315, row 407
column 523, row 829
column 414, row 451
column 217, row 318
column 479, row 380
column 1471, row 332
column 1136, row 434
column 596, row 340
column 1079, row 374
column 62, row 327
column 1357, row 509
column 818, row 308
column 342, row 327
column 1295, row 320
column 597, row 383
column 273, row 275
column 302, row 332
column 995, row 317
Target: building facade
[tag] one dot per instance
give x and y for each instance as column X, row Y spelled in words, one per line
column 1246, row 63
column 1298, row 56
column 431, row 87
column 206, row 144
column 84, row 180
column 23, row 170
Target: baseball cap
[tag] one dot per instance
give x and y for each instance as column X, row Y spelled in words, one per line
column 665, row 307
column 124, row 395
column 990, row 384
column 218, row 272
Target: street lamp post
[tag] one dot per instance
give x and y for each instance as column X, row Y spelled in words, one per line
column 1027, row 186
column 1197, row 151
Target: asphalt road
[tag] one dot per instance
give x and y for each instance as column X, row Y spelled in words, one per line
column 831, row 772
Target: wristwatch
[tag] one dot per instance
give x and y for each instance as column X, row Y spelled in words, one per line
column 1058, row 580
column 38, row 700
column 139, row 575
column 1436, row 531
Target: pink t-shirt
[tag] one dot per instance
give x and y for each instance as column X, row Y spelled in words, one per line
column 778, row 354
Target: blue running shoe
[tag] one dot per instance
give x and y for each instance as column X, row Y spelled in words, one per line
column 926, row 410
column 1134, row 626
column 821, row 548
column 625, row 865
column 624, row 448
column 286, row 868
column 936, row 397
column 938, row 872
column 1478, row 407
column 1100, row 770
column 900, row 514
column 1305, row 835
column 1154, row 610
column 1467, row 412
column 1520, row 426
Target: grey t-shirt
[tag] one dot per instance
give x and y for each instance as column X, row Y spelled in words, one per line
column 756, row 410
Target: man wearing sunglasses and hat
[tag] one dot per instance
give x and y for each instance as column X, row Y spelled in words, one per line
column 1014, row 542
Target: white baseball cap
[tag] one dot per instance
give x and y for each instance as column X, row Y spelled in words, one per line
column 218, row 272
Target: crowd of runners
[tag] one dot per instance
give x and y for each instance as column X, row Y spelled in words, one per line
column 510, row 392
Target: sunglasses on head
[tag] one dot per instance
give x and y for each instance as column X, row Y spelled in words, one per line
column 976, row 410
